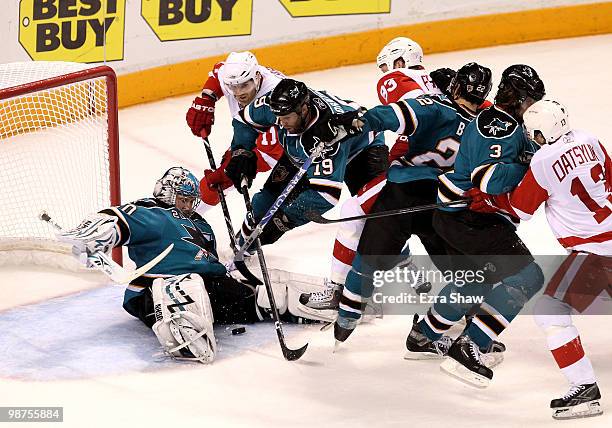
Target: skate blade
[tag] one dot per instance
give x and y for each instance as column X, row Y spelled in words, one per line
column 422, row 356
column 325, row 315
column 460, row 372
column 583, row 410
column 492, row 359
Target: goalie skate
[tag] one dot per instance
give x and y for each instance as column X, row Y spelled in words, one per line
column 581, row 401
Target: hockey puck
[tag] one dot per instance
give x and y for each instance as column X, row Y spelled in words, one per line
column 238, row 330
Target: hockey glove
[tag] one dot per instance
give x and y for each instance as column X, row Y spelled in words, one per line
column 351, row 121
column 97, row 233
column 443, row 77
column 481, row 202
column 242, row 163
column 277, row 227
column 217, row 179
column 201, row 115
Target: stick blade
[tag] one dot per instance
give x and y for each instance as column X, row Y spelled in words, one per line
column 246, row 273
column 294, row 354
column 125, row 277
column 316, row 217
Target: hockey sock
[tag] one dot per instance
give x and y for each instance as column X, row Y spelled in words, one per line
column 357, row 289
column 503, row 304
column 448, row 309
column 566, row 348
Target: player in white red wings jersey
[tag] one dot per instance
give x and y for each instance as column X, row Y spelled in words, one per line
column 401, row 61
column 403, row 83
column 572, row 175
column 240, row 79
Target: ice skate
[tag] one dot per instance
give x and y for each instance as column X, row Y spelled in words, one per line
column 329, row 298
column 465, row 363
column 420, row 347
column 581, row 401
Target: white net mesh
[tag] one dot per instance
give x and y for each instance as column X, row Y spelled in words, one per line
column 54, row 151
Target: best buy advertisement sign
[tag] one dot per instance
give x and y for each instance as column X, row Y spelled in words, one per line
column 298, row 8
column 195, row 19
column 72, row 30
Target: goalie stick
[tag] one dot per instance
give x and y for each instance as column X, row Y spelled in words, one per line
column 318, row 218
column 257, row 230
column 240, row 265
column 289, row 354
column 103, row 262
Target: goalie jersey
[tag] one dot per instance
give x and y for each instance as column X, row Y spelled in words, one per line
column 148, row 226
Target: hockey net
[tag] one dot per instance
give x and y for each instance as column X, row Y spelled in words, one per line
column 58, row 153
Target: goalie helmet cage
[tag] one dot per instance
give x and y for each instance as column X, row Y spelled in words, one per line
column 59, row 152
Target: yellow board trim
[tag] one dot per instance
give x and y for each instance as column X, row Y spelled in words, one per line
column 356, row 48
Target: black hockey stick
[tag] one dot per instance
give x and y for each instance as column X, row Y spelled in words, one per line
column 258, row 229
column 289, row 354
column 318, row 218
column 240, row 265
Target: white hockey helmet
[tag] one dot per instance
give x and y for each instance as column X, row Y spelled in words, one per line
column 239, row 67
column 547, row 117
column 400, row 47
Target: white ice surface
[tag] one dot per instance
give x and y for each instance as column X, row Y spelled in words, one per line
column 81, row 351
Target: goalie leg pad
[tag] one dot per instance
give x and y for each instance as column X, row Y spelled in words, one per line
column 184, row 318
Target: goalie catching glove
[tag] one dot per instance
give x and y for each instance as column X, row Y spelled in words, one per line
column 184, row 318
column 98, row 233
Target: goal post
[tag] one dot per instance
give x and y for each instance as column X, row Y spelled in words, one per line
column 59, row 152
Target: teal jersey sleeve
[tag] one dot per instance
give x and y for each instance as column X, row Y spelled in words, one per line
column 404, row 117
column 147, row 227
column 254, row 119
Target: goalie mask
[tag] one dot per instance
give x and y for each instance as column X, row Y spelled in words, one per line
column 178, row 182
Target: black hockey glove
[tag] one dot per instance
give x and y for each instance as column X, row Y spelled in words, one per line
column 443, row 77
column 242, row 164
column 528, row 151
column 324, row 130
column 276, row 227
column 351, row 121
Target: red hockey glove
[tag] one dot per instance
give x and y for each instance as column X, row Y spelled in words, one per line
column 481, row 202
column 201, row 115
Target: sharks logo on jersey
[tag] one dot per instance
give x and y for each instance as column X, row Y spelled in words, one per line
column 328, row 150
column 495, row 123
column 199, row 239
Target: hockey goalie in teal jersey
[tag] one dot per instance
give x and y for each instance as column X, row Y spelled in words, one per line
column 182, row 295
column 304, row 118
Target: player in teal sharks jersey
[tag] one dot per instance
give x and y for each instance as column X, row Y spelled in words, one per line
column 189, row 289
column 304, row 118
column 434, row 125
column 493, row 157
